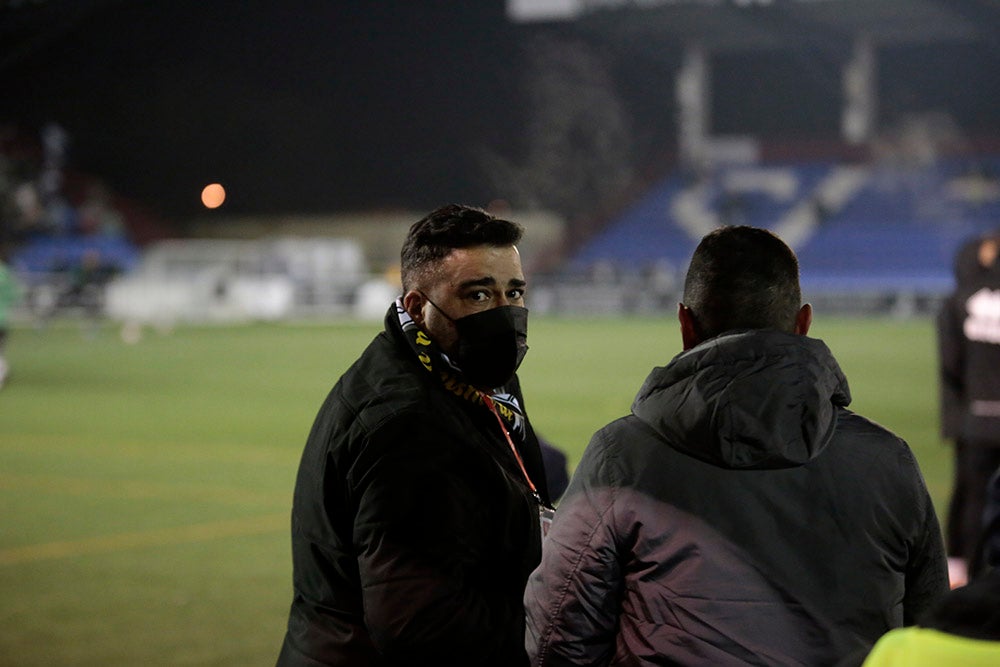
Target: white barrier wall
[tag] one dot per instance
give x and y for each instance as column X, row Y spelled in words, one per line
column 212, row 280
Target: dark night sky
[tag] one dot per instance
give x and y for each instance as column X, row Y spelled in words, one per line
column 309, row 105
column 318, row 105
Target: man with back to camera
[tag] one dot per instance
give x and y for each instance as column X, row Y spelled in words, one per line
column 741, row 514
column 415, row 521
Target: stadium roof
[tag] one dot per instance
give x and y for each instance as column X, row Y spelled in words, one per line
column 731, row 25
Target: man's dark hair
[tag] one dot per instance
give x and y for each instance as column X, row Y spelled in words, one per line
column 453, row 226
column 742, row 278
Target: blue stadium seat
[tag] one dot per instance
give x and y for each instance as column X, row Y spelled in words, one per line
column 899, row 230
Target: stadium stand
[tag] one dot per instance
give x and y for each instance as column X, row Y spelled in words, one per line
column 858, row 229
column 64, row 233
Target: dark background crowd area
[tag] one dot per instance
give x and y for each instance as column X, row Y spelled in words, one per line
column 320, row 106
column 116, row 113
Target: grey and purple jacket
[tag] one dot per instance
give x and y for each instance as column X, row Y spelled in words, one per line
column 740, row 515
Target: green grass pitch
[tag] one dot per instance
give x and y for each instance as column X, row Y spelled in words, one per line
column 146, row 488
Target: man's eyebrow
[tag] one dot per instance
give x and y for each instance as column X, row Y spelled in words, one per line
column 485, row 281
column 490, row 281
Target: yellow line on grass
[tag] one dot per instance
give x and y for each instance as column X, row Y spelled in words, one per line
column 92, row 447
column 134, row 489
column 201, row 532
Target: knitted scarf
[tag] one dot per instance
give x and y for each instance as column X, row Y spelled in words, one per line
column 431, row 357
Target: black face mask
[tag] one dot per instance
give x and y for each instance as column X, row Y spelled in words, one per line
column 491, row 344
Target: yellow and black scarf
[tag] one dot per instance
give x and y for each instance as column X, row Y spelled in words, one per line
column 508, row 402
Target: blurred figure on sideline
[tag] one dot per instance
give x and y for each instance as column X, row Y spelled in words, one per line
column 10, row 292
column 989, row 551
column 964, row 627
column 969, row 371
column 741, row 514
column 416, row 517
column 556, row 468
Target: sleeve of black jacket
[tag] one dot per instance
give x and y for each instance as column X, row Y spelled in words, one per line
column 951, row 361
column 926, row 573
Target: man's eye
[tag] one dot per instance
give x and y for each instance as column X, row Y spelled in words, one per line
column 515, row 294
column 479, row 295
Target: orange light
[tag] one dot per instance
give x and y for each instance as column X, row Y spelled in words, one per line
column 213, row 195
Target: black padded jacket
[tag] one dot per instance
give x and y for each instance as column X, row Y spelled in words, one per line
column 413, row 532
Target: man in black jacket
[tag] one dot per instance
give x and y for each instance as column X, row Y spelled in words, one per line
column 741, row 514
column 968, row 328
column 416, row 512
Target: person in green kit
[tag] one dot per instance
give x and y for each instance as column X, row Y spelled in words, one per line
column 9, row 294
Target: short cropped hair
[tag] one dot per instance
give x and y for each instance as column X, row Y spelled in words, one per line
column 742, row 278
column 433, row 237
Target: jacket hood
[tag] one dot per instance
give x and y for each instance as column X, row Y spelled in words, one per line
column 747, row 399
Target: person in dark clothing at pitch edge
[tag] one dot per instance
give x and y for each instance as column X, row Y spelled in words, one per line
column 968, row 327
column 741, row 514
column 416, row 515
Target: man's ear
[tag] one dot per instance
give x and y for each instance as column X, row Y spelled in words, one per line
column 413, row 304
column 689, row 328
column 804, row 319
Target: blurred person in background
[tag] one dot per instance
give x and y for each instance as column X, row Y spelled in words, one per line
column 556, row 468
column 416, row 515
column 968, row 326
column 9, row 294
column 989, row 552
column 741, row 514
column 963, row 628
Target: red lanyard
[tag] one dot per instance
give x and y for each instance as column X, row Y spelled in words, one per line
column 503, row 427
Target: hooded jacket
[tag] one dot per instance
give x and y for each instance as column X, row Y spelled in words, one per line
column 740, row 515
column 413, row 530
